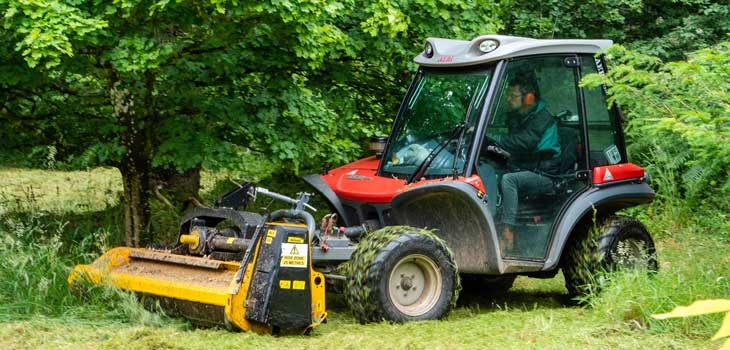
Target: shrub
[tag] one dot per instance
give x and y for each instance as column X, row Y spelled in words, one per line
column 678, row 124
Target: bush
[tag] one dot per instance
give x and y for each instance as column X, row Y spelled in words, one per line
column 678, row 124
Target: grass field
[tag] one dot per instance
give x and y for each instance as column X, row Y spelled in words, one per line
column 52, row 220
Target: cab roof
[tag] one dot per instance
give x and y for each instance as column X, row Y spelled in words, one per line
column 489, row 48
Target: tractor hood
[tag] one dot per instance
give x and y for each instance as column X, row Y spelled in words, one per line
column 357, row 181
column 356, row 193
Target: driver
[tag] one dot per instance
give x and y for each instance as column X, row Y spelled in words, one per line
column 532, row 141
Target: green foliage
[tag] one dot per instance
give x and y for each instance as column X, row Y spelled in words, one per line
column 678, row 116
column 669, row 29
column 302, row 82
column 47, row 28
column 673, row 29
column 557, row 19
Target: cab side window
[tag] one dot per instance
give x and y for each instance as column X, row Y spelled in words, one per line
column 604, row 130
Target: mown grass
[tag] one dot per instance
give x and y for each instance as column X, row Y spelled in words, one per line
column 45, row 235
column 28, row 190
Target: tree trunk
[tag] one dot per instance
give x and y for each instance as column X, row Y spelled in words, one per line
column 136, row 204
column 131, row 106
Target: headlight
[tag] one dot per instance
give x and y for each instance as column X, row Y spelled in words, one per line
column 488, row 45
column 428, row 50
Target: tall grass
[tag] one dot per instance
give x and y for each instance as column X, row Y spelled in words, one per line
column 693, row 238
column 50, row 221
column 33, row 270
column 67, row 192
column 35, row 261
column 40, row 247
column 674, row 211
column 693, row 267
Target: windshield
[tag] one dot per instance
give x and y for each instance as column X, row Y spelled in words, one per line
column 430, row 123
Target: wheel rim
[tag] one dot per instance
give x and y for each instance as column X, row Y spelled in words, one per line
column 631, row 253
column 414, row 285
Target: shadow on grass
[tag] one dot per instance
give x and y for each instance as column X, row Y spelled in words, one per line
column 527, row 294
column 521, row 299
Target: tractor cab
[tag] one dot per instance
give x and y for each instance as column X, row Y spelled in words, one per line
column 497, row 146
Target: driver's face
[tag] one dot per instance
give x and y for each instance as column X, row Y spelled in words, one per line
column 514, row 98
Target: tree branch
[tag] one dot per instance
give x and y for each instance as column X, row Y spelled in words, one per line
column 162, row 198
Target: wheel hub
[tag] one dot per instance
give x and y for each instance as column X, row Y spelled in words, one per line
column 415, row 285
column 406, row 282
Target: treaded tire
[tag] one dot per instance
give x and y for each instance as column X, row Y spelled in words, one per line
column 619, row 242
column 400, row 274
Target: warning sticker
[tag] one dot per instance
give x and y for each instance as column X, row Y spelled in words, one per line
column 293, row 255
column 295, row 239
column 285, row 284
column 270, row 236
column 299, row 285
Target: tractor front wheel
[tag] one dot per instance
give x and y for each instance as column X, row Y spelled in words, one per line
column 401, row 274
column 618, row 243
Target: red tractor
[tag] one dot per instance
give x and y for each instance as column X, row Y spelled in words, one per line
column 499, row 164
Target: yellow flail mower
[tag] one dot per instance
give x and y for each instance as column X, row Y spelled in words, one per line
column 230, row 268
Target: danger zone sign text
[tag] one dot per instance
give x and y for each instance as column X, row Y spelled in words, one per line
column 293, row 255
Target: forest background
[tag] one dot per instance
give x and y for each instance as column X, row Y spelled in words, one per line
column 140, row 108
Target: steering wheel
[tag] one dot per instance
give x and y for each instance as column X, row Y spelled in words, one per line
column 493, row 148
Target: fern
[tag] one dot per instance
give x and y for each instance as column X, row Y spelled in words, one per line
column 677, row 116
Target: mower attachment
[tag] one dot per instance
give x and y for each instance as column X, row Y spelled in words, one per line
column 273, row 290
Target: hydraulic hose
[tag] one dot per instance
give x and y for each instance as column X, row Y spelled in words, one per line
column 293, row 213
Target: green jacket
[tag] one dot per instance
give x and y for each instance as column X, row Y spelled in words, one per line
column 533, row 140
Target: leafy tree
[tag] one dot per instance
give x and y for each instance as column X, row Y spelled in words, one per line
column 164, row 88
column 569, row 19
column 668, row 29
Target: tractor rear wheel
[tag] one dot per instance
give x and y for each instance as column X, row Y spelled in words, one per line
column 618, row 243
column 401, row 274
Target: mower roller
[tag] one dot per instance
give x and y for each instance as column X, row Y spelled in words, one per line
column 499, row 164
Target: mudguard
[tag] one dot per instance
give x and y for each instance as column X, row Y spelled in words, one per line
column 460, row 213
column 608, row 198
column 244, row 221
